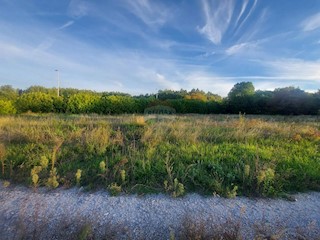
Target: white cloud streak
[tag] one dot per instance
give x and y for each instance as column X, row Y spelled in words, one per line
column 217, row 16
column 66, row 25
column 243, row 8
column 223, row 17
column 249, row 13
column 297, row 69
column 152, row 14
column 311, row 23
column 239, row 48
column 78, row 8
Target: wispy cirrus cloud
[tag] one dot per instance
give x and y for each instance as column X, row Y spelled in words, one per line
column 243, row 8
column 217, row 19
column 152, row 13
column 66, row 25
column 49, row 41
column 249, row 10
column 239, row 48
column 222, row 17
column 311, row 23
column 78, row 8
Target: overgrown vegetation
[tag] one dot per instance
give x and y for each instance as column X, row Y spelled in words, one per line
column 242, row 98
column 227, row 155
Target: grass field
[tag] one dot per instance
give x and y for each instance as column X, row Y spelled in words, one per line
column 227, row 155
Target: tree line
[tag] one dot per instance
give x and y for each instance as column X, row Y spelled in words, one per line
column 242, row 98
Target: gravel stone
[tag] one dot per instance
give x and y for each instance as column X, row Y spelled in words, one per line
column 62, row 213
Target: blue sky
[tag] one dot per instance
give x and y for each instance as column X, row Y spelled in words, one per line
column 141, row 46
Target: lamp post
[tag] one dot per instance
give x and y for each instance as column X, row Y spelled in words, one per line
column 58, row 90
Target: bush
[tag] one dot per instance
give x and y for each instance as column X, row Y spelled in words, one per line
column 82, row 103
column 7, row 107
column 36, row 102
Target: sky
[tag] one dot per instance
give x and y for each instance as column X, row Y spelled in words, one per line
column 142, row 46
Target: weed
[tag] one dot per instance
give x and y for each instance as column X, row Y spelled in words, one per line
column 35, row 175
column 54, row 152
column 44, row 162
column 6, row 184
column 123, row 176
column 52, row 181
column 85, row 232
column 232, row 193
column 78, row 176
column 114, row 189
column 140, row 121
column 266, row 181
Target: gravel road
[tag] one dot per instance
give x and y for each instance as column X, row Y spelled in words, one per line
column 62, row 214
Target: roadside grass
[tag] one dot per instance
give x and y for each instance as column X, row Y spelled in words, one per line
column 227, row 155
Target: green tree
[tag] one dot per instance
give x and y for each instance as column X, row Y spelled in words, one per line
column 196, row 94
column 291, row 100
column 261, row 101
column 316, row 103
column 50, row 91
column 59, row 104
column 7, row 92
column 240, row 98
column 118, row 105
column 82, row 103
column 35, row 102
column 213, row 97
column 242, row 89
column 171, row 94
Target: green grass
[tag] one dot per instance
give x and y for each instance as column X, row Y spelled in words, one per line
column 227, row 155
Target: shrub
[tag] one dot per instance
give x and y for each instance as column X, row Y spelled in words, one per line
column 36, row 102
column 7, row 107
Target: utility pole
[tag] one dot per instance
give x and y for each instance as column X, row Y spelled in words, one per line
column 58, row 90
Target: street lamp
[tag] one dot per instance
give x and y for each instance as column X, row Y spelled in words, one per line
column 58, row 90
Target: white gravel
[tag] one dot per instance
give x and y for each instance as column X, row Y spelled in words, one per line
column 60, row 213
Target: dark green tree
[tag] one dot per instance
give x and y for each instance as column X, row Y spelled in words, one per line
column 240, row 98
column 291, row 100
column 261, row 101
column 171, row 94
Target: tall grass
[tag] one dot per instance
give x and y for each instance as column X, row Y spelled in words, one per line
column 227, row 155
